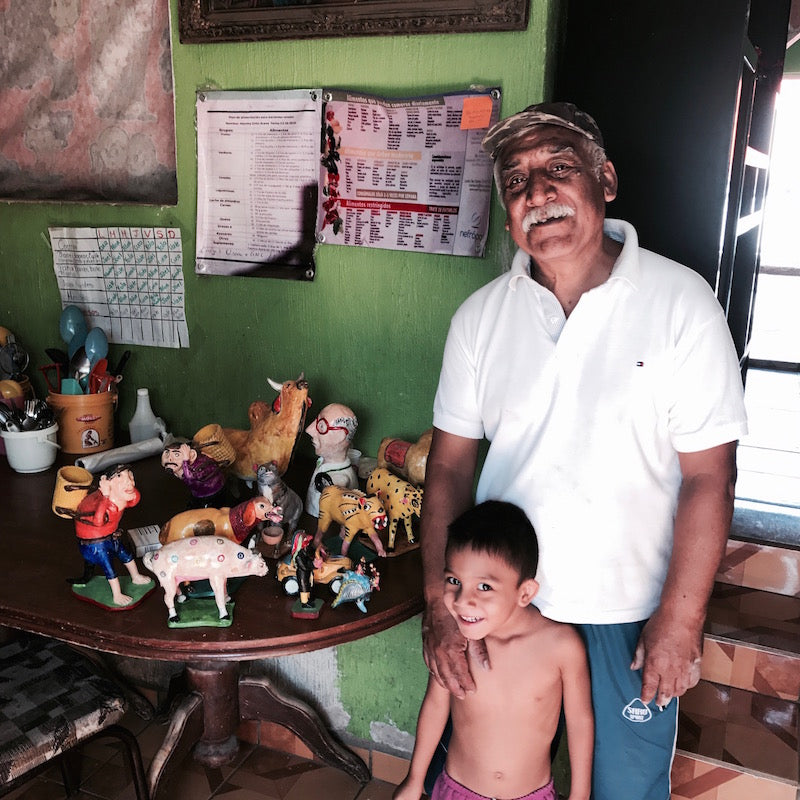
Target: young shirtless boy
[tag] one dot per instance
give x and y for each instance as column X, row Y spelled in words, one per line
column 500, row 745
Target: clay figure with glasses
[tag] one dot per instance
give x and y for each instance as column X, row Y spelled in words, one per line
column 331, row 434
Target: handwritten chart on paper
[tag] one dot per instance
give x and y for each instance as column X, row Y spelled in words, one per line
column 407, row 174
column 127, row 280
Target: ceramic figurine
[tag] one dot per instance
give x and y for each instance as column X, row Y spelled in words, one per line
column 202, row 475
column 406, row 459
column 273, row 429
column 212, row 558
column 355, row 512
column 272, row 486
column 358, row 585
column 304, row 560
column 400, row 500
column 331, row 434
column 235, row 523
column 97, row 519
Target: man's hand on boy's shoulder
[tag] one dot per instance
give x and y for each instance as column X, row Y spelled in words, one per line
column 445, row 651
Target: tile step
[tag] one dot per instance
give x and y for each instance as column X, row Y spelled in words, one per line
column 696, row 778
column 745, row 731
column 752, row 641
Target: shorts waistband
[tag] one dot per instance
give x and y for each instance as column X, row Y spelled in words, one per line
column 451, row 789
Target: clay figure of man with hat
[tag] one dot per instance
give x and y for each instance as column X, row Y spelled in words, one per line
column 605, row 380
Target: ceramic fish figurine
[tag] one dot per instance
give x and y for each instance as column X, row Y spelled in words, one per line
column 358, row 585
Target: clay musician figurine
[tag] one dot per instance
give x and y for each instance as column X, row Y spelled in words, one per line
column 331, row 434
column 97, row 521
column 201, row 474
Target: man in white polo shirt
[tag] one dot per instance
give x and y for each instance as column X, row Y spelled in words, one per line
column 605, row 379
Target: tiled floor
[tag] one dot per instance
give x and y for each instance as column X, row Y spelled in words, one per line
column 257, row 774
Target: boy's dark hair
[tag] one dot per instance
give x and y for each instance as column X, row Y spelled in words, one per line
column 498, row 529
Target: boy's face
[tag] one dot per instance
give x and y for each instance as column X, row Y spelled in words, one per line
column 482, row 592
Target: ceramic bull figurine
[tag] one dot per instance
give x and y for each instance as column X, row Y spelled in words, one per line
column 400, row 500
column 274, row 429
column 355, row 512
column 235, row 523
column 211, row 558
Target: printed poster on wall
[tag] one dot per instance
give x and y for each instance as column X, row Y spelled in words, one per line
column 257, row 157
column 406, row 174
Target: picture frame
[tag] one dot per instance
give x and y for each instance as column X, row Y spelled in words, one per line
column 207, row 21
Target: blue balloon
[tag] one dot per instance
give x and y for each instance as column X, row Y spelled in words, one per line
column 96, row 345
column 71, row 322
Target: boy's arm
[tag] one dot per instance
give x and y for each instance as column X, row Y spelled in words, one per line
column 432, row 718
column 579, row 717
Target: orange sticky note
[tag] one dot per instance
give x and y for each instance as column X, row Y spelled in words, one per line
column 476, row 112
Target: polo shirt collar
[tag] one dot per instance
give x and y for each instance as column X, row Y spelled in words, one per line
column 626, row 267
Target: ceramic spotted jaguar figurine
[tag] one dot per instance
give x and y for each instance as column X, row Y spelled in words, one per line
column 400, row 499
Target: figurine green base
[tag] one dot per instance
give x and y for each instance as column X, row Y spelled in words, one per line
column 201, row 612
column 97, row 591
column 311, row 611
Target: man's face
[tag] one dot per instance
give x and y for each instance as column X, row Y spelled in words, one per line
column 555, row 203
column 328, row 433
column 172, row 458
column 121, row 489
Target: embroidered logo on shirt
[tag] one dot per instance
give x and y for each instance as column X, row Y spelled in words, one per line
column 640, row 363
column 637, row 711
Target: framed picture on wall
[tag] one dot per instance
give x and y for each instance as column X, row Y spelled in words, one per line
column 202, row 21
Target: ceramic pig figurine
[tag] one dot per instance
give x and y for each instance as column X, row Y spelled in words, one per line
column 202, row 557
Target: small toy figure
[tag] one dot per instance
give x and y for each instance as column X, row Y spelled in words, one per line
column 97, row 519
column 355, row 512
column 358, row 585
column 201, row 474
column 273, row 429
column 305, row 560
column 400, row 499
column 211, row 558
column 235, row 523
column 272, row 486
column 332, row 433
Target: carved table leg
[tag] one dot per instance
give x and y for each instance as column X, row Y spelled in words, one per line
column 260, row 700
column 186, row 728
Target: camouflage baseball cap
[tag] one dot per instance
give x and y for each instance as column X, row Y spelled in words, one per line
column 565, row 115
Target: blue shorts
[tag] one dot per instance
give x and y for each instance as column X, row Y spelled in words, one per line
column 100, row 553
column 634, row 743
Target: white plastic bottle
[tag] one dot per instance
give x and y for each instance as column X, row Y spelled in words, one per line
column 144, row 423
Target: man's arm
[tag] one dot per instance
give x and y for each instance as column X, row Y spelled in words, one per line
column 432, row 719
column 449, row 476
column 671, row 643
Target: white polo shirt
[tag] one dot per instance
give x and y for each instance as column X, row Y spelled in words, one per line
column 585, row 417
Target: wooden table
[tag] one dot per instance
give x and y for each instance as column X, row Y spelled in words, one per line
column 39, row 552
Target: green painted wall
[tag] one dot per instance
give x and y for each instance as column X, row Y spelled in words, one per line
column 791, row 66
column 368, row 331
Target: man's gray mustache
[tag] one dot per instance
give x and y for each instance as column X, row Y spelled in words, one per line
column 543, row 213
